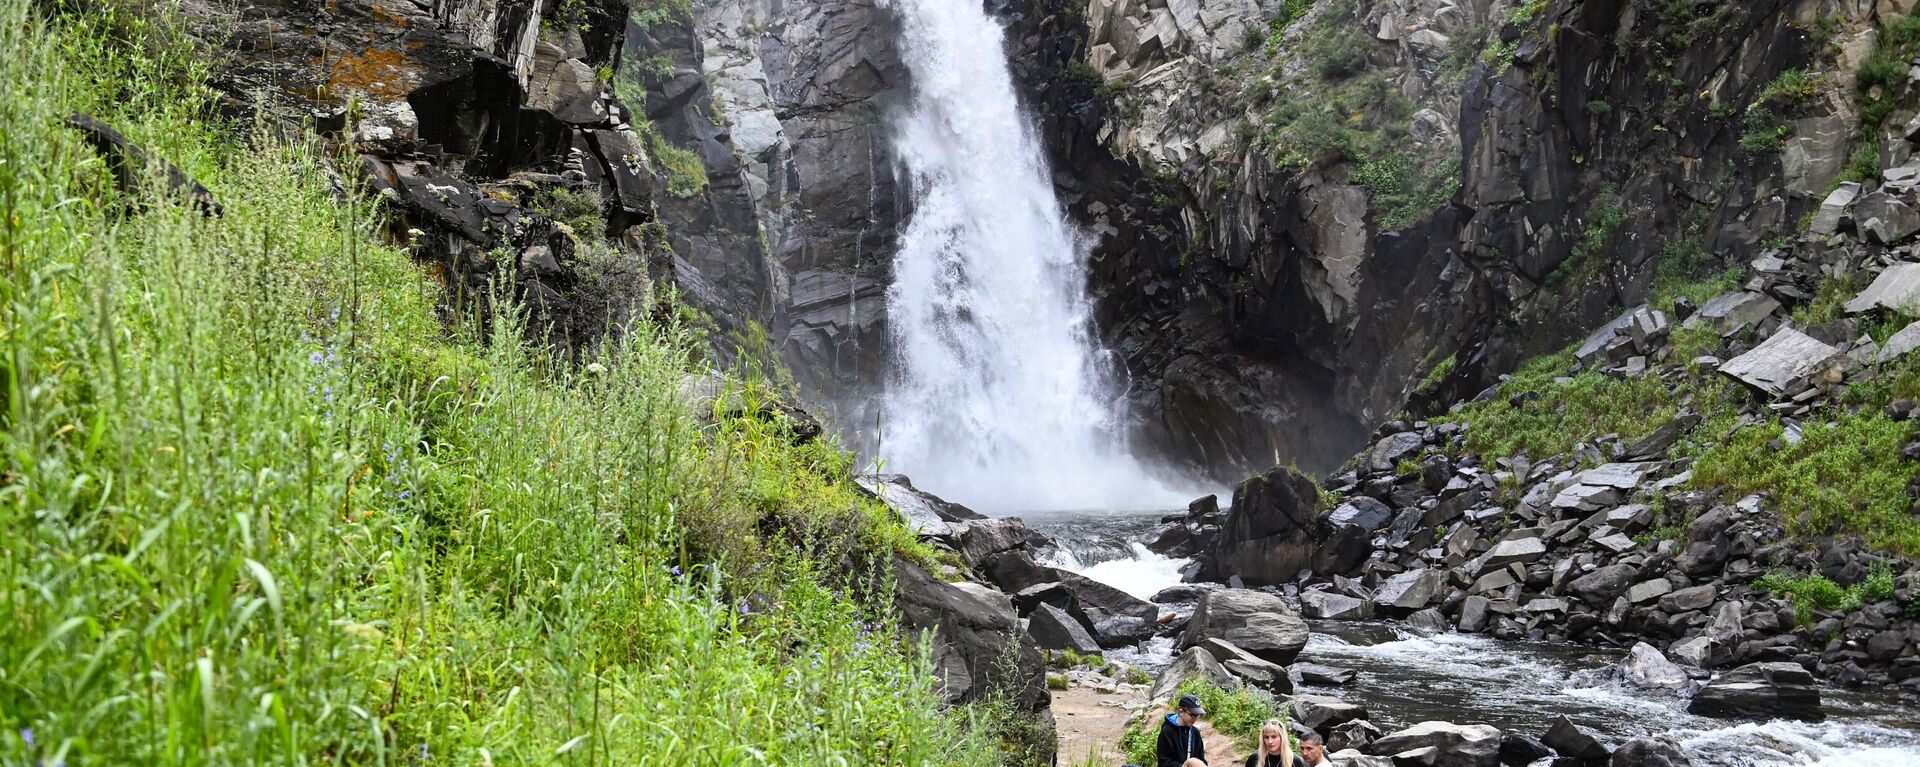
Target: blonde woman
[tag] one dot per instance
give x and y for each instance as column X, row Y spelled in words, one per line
column 1276, row 748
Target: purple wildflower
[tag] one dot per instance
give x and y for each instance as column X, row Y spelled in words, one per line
column 26, row 734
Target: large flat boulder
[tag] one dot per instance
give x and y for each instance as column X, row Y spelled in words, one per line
column 1897, row 288
column 1761, row 691
column 1470, row 745
column 925, row 513
column 1255, row 621
column 1782, row 366
column 1730, row 313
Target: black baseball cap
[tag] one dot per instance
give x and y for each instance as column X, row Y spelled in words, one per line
column 1191, row 705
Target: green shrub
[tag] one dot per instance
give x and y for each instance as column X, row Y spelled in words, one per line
column 686, row 172
column 1234, row 713
column 1842, row 477
column 1141, row 739
column 1816, row 592
column 1766, row 117
column 1559, row 414
column 1058, row 682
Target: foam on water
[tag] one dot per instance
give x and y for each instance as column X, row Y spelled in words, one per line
column 1143, row 575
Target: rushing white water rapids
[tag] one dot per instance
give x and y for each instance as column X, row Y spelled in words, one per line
column 998, row 397
column 1405, row 678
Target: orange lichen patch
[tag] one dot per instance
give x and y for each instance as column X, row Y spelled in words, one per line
column 380, row 72
column 384, row 16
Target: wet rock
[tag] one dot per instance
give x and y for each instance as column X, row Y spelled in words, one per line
column 1783, row 365
column 926, row 513
column 1650, row 751
column 1258, row 622
column 1761, row 691
column 1322, row 713
column 1411, row 590
column 1645, row 666
column 1473, row 614
column 1476, row 745
column 1574, row 741
column 981, row 539
column 1194, row 663
column 1698, row 652
column 1118, row 631
column 1053, row 629
column 1344, row 549
column 1356, row 734
column 1520, row 750
column 1330, row 606
column 1428, row 756
column 1181, row 593
column 1314, row 673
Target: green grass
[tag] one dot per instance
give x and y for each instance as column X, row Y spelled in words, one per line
column 1766, row 118
column 1563, row 413
column 1843, row 477
column 1815, row 592
column 262, row 507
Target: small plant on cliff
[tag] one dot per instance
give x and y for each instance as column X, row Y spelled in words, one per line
column 1816, row 592
column 686, row 172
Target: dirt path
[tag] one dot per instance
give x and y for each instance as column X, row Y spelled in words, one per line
column 1091, row 724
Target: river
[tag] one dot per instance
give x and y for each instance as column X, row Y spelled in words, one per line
column 1521, row 687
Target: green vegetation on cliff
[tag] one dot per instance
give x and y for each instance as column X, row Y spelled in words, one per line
column 262, row 507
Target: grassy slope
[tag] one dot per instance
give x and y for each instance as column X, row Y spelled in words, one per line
column 260, row 507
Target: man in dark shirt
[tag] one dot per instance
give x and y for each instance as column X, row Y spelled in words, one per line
column 1179, row 738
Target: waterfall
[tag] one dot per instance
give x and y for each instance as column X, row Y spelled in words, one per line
column 998, row 397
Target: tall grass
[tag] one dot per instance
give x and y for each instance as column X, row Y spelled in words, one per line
column 261, row 508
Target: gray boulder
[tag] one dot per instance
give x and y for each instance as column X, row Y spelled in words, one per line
column 1572, row 740
column 1600, row 587
column 1411, row 590
column 1052, row 628
column 1267, row 535
column 1252, row 670
column 1784, row 365
column 1650, row 751
column 1472, row 745
column 1362, row 512
column 972, row 629
column 1322, row 713
column 1897, row 288
column 1777, row 690
column 1255, row 621
column 1330, row 606
column 1645, row 666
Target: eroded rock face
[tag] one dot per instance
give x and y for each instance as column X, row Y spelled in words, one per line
column 974, row 629
column 794, row 239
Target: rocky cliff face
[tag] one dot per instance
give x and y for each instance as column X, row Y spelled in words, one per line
column 791, row 246
column 1349, row 198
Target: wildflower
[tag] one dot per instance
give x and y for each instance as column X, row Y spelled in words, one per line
column 596, row 368
column 423, row 752
column 316, row 358
column 675, row 571
column 405, row 494
column 26, row 734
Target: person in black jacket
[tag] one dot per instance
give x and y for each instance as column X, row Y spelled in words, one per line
column 1179, row 739
column 1276, row 749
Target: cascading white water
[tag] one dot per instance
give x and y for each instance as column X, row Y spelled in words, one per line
column 997, row 399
